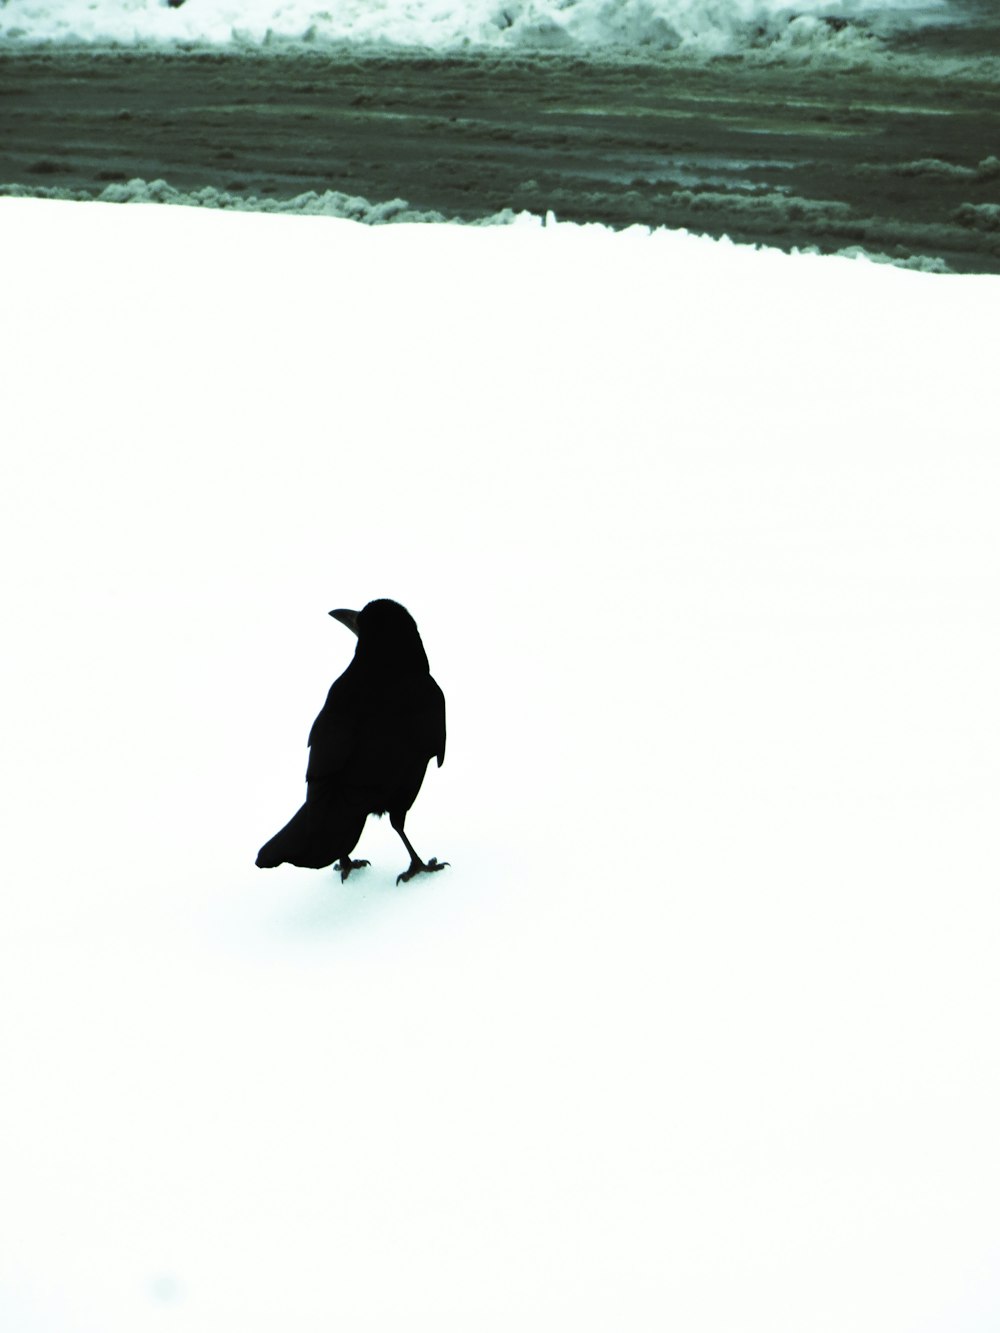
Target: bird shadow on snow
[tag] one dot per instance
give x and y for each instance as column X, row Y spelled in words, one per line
column 324, row 906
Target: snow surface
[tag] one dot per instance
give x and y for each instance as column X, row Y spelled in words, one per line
column 712, row 25
column 698, row 1031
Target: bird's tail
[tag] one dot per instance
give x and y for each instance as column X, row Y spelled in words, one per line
column 318, row 834
column 270, row 855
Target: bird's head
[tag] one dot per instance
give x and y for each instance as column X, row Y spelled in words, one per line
column 387, row 633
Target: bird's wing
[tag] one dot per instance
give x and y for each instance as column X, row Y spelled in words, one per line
column 332, row 738
column 436, row 723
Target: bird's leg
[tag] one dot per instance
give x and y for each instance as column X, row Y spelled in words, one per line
column 345, row 865
column 416, row 865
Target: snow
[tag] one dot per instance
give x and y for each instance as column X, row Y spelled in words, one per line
column 698, row 1030
column 724, row 25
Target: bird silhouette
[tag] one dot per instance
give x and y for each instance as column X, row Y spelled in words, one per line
column 382, row 722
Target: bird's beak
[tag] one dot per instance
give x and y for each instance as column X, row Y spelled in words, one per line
column 348, row 618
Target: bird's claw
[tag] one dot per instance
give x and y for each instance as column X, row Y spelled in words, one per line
column 416, row 867
column 345, row 865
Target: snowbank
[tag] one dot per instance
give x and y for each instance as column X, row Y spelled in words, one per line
column 722, row 26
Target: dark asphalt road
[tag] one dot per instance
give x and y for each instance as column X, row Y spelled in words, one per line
column 882, row 156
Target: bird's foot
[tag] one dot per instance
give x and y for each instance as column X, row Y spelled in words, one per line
column 417, row 867
column 345, row 865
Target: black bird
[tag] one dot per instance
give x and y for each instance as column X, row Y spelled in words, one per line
column 382, row 722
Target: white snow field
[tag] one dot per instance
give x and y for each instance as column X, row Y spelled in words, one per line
column 698, row 1032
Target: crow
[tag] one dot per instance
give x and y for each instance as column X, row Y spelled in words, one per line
column 382, row 722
